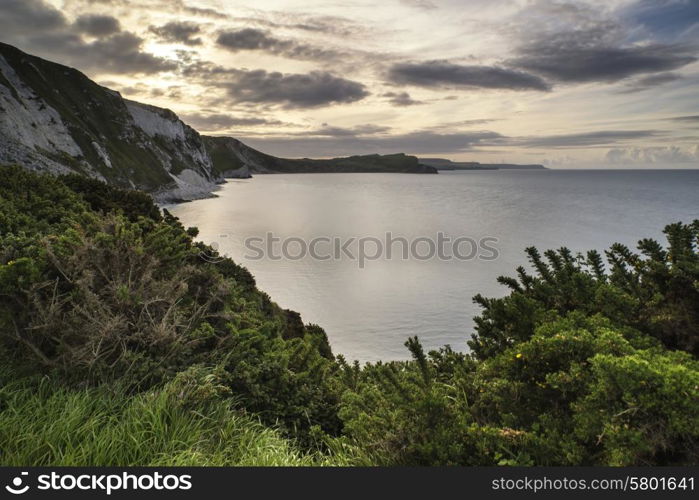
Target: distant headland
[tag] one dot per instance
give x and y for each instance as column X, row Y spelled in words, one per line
column 445, row 164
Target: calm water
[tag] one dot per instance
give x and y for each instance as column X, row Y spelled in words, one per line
column 368, row 313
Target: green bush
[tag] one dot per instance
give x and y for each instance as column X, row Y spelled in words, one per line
column 105, row 290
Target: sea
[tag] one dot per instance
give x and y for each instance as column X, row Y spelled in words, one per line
column 377, row 258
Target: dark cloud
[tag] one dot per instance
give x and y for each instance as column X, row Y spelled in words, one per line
column 649, row 82
column 584, row 56
column 443, row 74
column 309, row 90
column 19, row 16
column 582, row 140
column 118, row 53
column 178, row 32
column 400, row 99
column 255, row 39
column 686, row 118
column 39, row 28
column 172, row 6
column 288, row 90
column 247, row 39
column 97, row 24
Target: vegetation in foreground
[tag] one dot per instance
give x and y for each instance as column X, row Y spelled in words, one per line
column 46, row 423
column 120, row 345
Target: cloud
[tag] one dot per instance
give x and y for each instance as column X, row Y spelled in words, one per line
column 357, row 131
column 659, row 154
column 686, row 118
column 38, row 27
column 649, row 82
column 247, row 39
column 463, row 124
column 443, row 74
column 287, row 90
column 205, row 12
column 337, row 26
column 18, row 16
column 400, row 99
column 220, row 121
column 178, row 32
column 419, row 142
column 596, row 54
column 335, row 141
column 582, row 140
column 97, row 24
column 309, row 90
column 171, row 6
column 118, row 53
column 420, row 4
column 142, row 90
column 255, row 39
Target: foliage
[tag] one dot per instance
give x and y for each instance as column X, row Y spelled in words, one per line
column 117, row 337
column 106, row 290
column 656, row 292
column 187, row 422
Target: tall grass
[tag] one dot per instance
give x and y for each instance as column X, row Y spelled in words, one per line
column 44, row 424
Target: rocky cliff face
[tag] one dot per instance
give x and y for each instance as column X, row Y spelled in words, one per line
column 53, row 118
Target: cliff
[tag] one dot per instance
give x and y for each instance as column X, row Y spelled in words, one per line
column 53, row 118
column 233, row 158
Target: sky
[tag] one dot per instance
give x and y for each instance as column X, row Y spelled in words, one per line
column 583, row 84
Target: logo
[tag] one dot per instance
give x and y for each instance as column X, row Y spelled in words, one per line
column 16, row 487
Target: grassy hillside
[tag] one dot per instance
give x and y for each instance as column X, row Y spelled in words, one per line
column 123, row 341
column 230, row 154
column 45, row 423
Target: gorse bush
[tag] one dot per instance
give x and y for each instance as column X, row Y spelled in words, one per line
column 654, row 292
column 95, row 294
column 120, row 345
